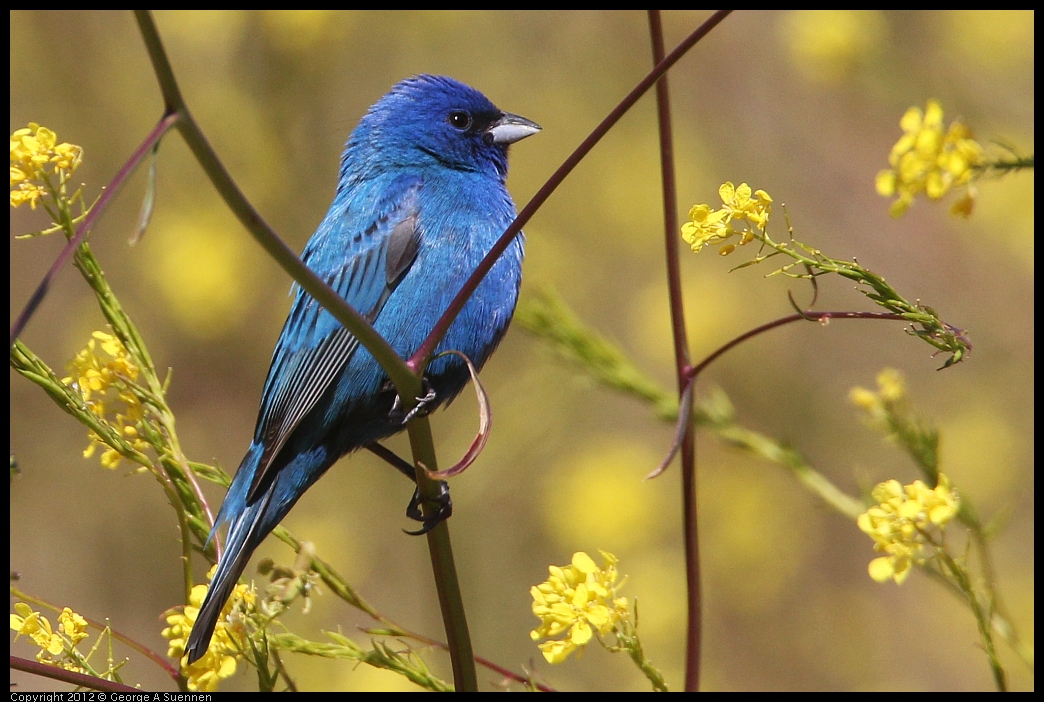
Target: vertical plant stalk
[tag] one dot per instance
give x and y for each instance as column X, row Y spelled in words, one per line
column 693, row 635
column 444, row 569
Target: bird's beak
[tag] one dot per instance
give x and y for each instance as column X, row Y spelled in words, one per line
column 511, row 128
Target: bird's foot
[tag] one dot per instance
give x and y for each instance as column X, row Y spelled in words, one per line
column 443, row 510
column 425, row 405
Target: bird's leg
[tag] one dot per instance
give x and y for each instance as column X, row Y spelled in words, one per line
column 443, row 503
column 393, row 459
column 443, row 509
column 425, row 405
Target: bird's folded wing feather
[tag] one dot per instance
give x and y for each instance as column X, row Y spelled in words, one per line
column 364, row 261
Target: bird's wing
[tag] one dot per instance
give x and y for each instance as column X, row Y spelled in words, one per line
column 363, row 259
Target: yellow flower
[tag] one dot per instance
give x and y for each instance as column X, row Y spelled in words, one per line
column 739, row 204
column 900, row 523
column 930, row 159
column 891, row 390
column 891, row 385
column 867, row 399
column 67, row 156
column 32, row 149
column 27, row 192
column 705, row 226
column 93, row 373
column 103, row 373
column 38, row 628
column 111, row 458
column 578, row 601
column 72, row 625
column 227, row 644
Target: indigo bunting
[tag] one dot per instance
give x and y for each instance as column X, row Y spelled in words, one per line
column 421, row 198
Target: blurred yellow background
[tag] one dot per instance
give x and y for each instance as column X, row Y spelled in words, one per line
column 803, row 105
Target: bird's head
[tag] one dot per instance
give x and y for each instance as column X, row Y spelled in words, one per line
column 430, row 119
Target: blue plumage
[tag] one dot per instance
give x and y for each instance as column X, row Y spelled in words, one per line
column 420, row 200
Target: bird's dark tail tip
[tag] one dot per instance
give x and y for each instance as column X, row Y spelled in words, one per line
column 242, row 538
column 202, row 633
column 221, row 587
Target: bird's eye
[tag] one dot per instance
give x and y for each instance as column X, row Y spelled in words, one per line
column 459, row 119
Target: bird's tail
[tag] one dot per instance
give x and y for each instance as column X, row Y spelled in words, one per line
column 243, row 537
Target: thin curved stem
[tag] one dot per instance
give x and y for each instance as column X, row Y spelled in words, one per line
column 121, row 177
column 420, row 358
column 693, row 636
column 803, row 317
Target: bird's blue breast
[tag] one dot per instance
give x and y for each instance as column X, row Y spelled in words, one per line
column 460, row 215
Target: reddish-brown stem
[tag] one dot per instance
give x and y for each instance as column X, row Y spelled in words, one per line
column 803, row 317
column 168, row 121
column 694, row 628
column 78, row 679
column 420, row 358
column 488, row 664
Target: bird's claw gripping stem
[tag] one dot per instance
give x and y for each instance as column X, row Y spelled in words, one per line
column 425, row 405
column 443, row 510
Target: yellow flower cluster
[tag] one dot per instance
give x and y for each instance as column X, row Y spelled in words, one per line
column 104, row 381
column 739, row 205
column 931, row 160
column 891, row 389
column 226, row 646
column 900, row 523
column 72, row 629
column 577, row 600
column 33, row 149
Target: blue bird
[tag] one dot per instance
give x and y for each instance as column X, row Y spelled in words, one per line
column 421, row 199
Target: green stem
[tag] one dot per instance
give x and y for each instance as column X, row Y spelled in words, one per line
column 458, row 640
column 331, row 577
column 983, row 616
column 128, row 333
column 1006, row 165
column 930, row 327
